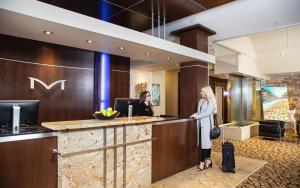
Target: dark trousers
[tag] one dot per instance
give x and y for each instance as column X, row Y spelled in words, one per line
column 205, row 154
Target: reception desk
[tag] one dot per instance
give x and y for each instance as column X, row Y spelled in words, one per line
column 174, row 148
column 120, row 152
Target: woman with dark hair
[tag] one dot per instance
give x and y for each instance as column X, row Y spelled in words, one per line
column 145, row 106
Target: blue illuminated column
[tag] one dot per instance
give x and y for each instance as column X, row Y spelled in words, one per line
column 104, row 12
column 104, row 81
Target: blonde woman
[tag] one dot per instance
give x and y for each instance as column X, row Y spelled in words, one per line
column 207, row 107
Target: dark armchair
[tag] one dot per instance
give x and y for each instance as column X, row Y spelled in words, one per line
column 271, row 128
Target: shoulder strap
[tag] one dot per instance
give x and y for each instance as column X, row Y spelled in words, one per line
column 210, row 122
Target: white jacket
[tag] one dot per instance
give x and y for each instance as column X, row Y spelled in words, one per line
column 205, row 122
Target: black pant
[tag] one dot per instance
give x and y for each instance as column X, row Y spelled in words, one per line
column 205, row 154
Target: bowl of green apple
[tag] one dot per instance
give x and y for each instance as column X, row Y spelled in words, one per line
column 106, row 114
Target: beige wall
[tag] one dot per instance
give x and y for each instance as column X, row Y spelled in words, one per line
column 172, row 92
column 137, row 76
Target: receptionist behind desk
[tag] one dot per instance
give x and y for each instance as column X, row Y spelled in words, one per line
column 145, row 106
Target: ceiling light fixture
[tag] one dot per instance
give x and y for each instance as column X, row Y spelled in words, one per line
column 281, row 53
column 233, row 60
column 48, row 32
column 89, row 41
column 168, row 58
column 122, row 48
column 147, row 53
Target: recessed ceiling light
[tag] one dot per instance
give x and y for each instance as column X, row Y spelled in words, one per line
column 89, row 41
column 122, row 48
column 147, row 53
column 281, row 53
column 48, row 32
column 168, row 58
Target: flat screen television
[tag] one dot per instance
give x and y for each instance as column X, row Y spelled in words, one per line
column 122, row 104
column 29, row 110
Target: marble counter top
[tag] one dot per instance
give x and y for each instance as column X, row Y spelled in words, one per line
column 93, row 123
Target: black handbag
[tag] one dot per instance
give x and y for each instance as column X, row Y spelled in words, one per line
column 216, row 131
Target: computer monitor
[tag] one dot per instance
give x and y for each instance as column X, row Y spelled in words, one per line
column 29, row 110
column 121, row 105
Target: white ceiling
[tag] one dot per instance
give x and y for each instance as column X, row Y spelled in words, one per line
column 276, row 40
column 28, row 19
column 274, row 52
column 242, row 18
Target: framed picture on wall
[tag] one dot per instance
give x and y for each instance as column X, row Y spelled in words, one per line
column 275, row 103
column 156, row 94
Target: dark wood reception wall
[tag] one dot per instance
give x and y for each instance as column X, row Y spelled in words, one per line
column 119, row 77
column 22, row 58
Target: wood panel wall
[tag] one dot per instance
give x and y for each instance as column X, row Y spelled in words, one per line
column 119, row 77
column 22, row 58
column 193, row 76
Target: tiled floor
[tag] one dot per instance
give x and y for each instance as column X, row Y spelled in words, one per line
column 212, row 177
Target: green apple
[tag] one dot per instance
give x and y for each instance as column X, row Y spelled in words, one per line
column 104, row 113
column 109, row 109
column 109, row 113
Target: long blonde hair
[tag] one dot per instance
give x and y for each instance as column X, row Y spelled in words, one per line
column 208, row 92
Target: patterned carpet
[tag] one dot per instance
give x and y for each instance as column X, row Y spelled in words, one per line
column 283, row 167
